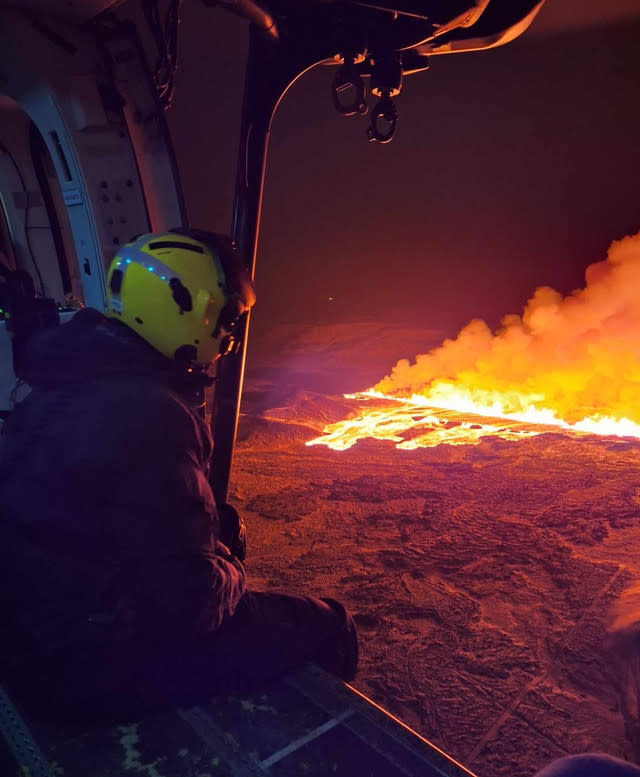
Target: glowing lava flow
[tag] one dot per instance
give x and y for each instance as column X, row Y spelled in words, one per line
column 569, row 363
column 422, row 422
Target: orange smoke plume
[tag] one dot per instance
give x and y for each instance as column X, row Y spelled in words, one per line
column 577, row 357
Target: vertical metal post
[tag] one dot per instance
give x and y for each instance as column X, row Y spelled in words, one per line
column 273, row 64
column 263, row 89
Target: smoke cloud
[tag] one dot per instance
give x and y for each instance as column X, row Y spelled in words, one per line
column 578, row 355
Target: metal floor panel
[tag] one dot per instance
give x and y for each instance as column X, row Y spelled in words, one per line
column 307, row 724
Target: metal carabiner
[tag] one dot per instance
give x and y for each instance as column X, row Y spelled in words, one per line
column 385, row 110
column 347, row 78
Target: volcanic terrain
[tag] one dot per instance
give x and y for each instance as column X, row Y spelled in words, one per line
column 482, row 576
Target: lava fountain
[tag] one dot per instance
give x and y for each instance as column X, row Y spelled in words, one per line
column 566, row 363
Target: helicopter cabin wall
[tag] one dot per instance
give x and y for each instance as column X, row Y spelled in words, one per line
column 27, row 194
column 35, row 234
column 58, row 75
column 69, row 181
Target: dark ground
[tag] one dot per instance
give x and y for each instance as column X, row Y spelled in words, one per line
column 481, row 577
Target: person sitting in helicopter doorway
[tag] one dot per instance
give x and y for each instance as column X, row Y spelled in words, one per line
column 123, row 587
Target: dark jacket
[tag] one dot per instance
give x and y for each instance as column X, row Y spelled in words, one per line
column 108, row 528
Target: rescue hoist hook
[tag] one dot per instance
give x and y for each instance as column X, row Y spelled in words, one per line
column 384, row 118
column 386, row 70
column 386, row 82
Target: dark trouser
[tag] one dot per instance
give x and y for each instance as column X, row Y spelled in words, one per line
column 268, row 635
column 590, row 765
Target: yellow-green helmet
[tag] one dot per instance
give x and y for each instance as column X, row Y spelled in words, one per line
column 171, row 289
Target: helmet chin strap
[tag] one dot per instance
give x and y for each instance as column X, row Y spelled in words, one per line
column 190, row 382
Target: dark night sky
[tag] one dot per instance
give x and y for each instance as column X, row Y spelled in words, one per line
column 511, row 168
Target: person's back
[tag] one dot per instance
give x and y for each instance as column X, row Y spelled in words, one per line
column 107, row 534
column 117, row 592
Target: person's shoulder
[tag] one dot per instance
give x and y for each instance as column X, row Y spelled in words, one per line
column 147, row 404
column 141, row 396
